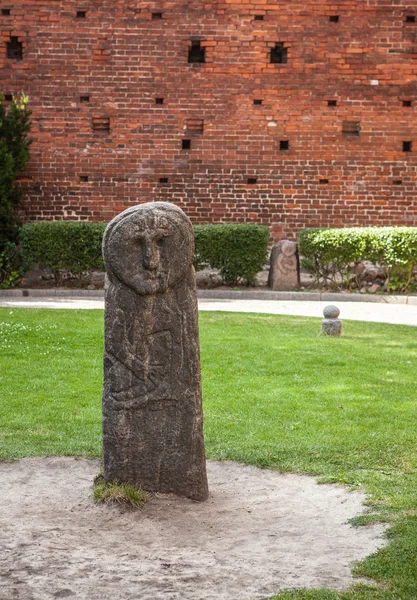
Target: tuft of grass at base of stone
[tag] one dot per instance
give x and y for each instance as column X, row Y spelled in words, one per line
column 119, row 493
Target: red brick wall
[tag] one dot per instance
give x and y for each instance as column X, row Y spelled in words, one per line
column 123, row 59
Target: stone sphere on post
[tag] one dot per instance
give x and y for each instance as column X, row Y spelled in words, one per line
column 152, row 411
column 331, row 325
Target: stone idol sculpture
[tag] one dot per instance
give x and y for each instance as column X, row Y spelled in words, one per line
column 152, row 414
column 284, row 273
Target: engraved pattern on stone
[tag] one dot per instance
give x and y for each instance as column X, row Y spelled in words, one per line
column 152, row 415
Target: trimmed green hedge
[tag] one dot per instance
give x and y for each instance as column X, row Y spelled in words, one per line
column 238, row 251
column 331, row 254
column 63, row 245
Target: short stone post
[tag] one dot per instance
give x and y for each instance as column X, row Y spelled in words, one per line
column 331, row 325
column 284, row 272
column 152, row 413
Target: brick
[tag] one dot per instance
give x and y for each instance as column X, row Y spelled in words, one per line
column 123, row 60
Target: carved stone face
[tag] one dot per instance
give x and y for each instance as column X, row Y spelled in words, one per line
column 288, row 248
column 150, row 248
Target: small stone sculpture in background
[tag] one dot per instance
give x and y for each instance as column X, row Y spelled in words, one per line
column 331, row 325
column 152, row 414
column 284, row 273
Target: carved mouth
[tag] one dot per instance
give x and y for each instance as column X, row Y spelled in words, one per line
column 151, row 285
column 147, row 282
column 154, row 275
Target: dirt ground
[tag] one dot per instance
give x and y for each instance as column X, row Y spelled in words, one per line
column 259, row 532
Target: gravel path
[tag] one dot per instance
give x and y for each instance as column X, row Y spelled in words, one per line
column 400, row 314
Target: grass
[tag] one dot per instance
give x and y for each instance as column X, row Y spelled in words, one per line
column 276, row 394
column 119, row 493
column 50, row 380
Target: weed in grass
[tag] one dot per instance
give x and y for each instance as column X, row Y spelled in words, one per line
column 119, row 493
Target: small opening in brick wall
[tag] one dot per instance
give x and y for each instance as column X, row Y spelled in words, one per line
column 407, row 103
column 8, row 97
column 252, row 180
column 258, row 18
column 279, row 54
column 257, row 102
column 163, row 180
column 101, row 124
column 323, row 181
column 410, row 19
column 331, row 102
column 195, row 126
column 14, row 48
column 284, row 145
column 156, row 16
column 81, row 14
column 397, row 182
column 84, row 178
column 5, row 12
column 351, row 128
column 407, row 146
column 159, row 100
column 196, row 53
column 334, row 18
column 186, row 144
column 84, row 98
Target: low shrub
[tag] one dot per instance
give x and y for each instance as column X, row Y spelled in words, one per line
column 63, row 245
column 11, row 269
column 332, row 255
column 14, row 154
column 238, row 251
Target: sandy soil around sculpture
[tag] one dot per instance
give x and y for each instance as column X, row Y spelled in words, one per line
column 258, row 533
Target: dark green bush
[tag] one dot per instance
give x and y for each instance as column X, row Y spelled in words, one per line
column 238, row 251
column 63, row 245
column 10, row 266
column 331, row 254
column 14, row 154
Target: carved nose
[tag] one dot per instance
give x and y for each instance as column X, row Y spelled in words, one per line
column 150, row 255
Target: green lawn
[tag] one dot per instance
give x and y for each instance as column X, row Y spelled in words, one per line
column 276, row 394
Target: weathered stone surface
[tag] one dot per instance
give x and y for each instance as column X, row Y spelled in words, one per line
column 331, row 327
column 284, row 273
column 97, row 279
column 374, row 288
column 331, row 312
column 152, row 414
column 36, row 276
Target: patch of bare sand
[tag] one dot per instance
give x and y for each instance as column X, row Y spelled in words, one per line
column 258, row 533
